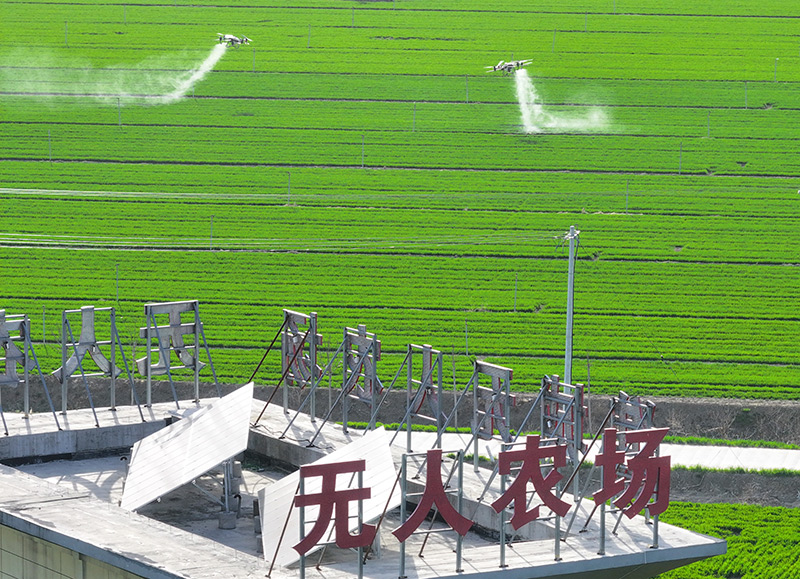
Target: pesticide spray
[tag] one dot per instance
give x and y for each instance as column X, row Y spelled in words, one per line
column 185, row 83
column 535, row 119
column 158, row 80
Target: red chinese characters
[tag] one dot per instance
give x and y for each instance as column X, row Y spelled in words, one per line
column 433, row 495
column 333, row 503
column 649, row 473
column 646, row 478
column 530, row 471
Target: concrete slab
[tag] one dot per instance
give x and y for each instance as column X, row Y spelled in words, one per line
column 76, row 513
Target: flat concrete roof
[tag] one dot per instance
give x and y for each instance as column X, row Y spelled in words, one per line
column 73, row 503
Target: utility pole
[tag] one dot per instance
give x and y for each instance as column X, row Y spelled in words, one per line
column 572, row 236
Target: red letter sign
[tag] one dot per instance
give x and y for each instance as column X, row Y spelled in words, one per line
column 531, row 471
column 647, row 471
column 329, row 499
column 434, row 495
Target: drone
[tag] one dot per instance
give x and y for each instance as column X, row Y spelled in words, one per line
column 232, row 40
column 508, row 67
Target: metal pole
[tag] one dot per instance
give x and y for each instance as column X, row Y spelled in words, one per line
column 312, row 353
column 64, row 377
column 503, row 484
column 113, row 360
column 572, row 236
column 602, row 550
column 211, row 235
column 403, row 470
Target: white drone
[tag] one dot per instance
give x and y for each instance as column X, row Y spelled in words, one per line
column 508, row 67
column 232, row 40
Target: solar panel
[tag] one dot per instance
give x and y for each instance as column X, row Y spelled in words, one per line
column 276, row 499
column 186, row 449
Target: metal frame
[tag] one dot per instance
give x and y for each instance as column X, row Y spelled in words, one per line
column 563, row 413
column 361, row 351
column 12, row 357
column 73, row 355
column 300, row 370
column 494, row 403
column 172, row 341
column 425, row 388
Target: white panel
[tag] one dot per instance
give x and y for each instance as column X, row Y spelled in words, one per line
column 186, row 449
column 276, row 500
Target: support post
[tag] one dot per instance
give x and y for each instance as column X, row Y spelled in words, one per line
column 312, row 345
column 572, row 236
column 198, row 332
column 64, row 377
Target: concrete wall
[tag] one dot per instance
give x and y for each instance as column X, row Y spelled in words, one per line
column 24, row 556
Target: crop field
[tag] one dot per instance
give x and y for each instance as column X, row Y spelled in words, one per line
column 357, row 161
column 763, row 542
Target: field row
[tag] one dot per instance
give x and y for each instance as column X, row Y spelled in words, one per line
column 515, row 192
column 765, row 9
column 352, row 148
column 391, row 41
column 453, row 304
column 763, row 542
column 738, row 126
column 172, row 224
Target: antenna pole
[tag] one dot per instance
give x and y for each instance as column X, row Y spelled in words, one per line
column 572, row 236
